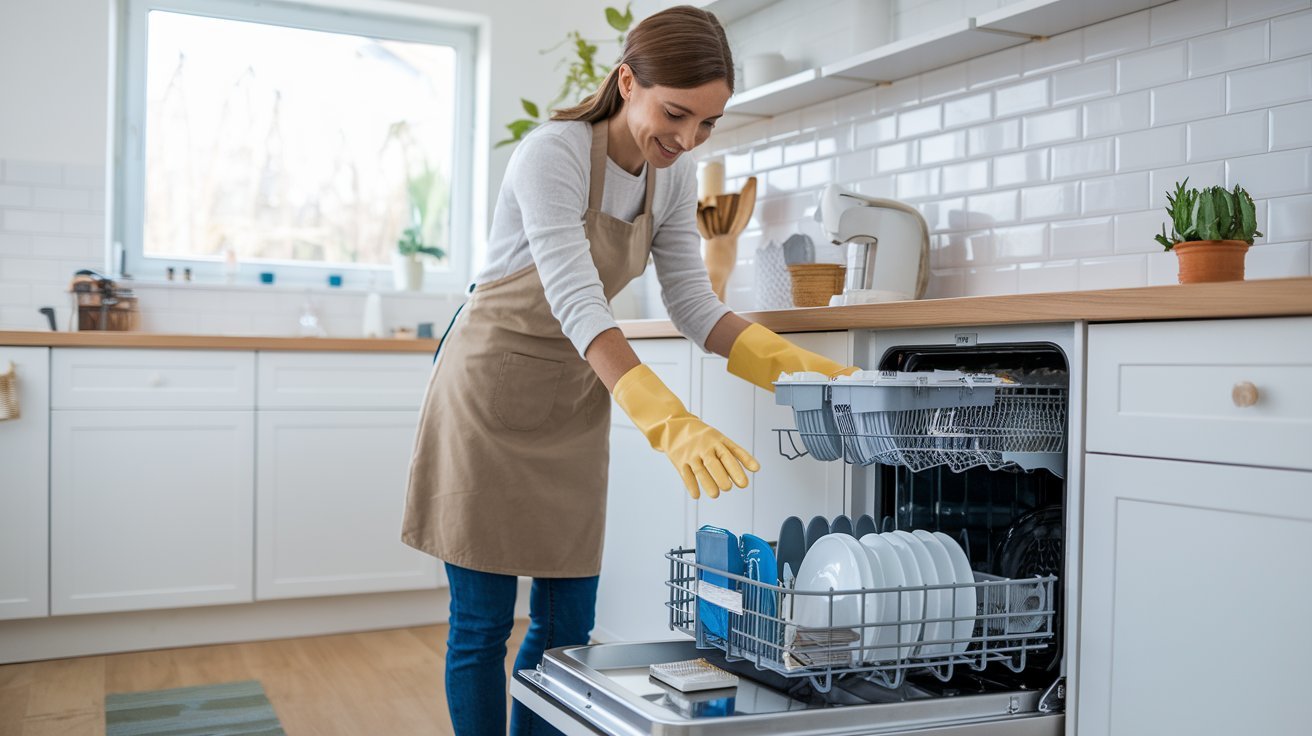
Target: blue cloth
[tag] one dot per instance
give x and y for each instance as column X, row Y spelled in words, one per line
column 561, row 612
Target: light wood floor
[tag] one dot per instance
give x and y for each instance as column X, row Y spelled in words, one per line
column 378, row 682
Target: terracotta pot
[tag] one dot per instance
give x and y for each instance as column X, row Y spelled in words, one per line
column 1204, row 261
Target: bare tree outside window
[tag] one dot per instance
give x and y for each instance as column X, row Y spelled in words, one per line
column 294, row 146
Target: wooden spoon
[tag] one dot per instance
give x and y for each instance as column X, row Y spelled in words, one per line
column 746, row 203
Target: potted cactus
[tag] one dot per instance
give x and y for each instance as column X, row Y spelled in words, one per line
column 1211, row 230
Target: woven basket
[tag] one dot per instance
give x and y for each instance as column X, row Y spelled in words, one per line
column 814, row 283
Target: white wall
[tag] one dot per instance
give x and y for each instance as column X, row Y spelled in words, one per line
column 55, row 96
column 1043, row 167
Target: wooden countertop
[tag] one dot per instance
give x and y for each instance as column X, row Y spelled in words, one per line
column 1266, row 298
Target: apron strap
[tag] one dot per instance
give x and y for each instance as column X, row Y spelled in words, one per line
column 597, row 176
column 651, row 189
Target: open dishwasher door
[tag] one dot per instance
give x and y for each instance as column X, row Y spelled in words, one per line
column 606, row 689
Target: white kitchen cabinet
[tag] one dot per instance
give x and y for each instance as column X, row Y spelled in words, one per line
column 150, row 509
column 95, row 378
column 724, row 401
column 645, row 513
column 325, row 380
column 330, row 491
column 24, row 488
column 1196, row 613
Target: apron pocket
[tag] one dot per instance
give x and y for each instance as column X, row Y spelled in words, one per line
column 526, row 390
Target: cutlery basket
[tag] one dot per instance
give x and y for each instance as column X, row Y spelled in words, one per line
column 1012, row 620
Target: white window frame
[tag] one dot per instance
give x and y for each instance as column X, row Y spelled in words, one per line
column 389, row 21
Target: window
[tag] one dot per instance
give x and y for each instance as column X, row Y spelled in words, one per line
column 304, row 140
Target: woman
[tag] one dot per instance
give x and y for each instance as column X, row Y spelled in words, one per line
column 509, row 473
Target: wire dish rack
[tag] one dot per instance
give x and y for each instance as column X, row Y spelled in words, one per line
column 920, row 426
column 1011, row 620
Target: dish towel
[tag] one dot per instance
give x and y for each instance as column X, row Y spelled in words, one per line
column 774, row 285
column 9, row 393
column 223, row 709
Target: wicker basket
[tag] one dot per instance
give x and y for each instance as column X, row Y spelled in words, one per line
column 814, row 283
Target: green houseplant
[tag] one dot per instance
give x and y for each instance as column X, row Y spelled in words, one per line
column 583, row 74
column 1211, row 230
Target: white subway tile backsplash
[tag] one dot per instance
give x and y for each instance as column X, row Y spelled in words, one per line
column 1232, row 49
column 1084, row 83
column 1113, row 272
column 1025, row 242
column 1117, row 115
column 1019, row 168
column 59, row 198
column 1152, row 68
column 1003, row 135
column 944, row 215
column 83, row 176
column 66, row 246
column 32, row 221
column 970, row 176
column 1291, row 35
column 802, row 149
column 1052, row 53
column 877, row 186
column 14, row 293
column 31, row 270
column 1242, row 11
column 82, row 223
column 1149, row 149
column 994, row 68
column 781, row 181
column 877, row 131
column 944, row 82
column 1051, row 127
column 1083, row 159
column 1185, row 18
column 1291, row 125
column 900, row 94
column 1135, row 231
column 738, row 164
column 918, row 184
column 1199, row 175
column 815, row 173
column 966, row 110
column 767, row 157
column 15, row 195
column 1192, row 100
column 1272, row 174
column 1270, row 84
column 944, row 147
column 1052, row 276
column 15, row 244
column 920, row 121
column 995, row 208
column 1116, row 36
column 859, row 105
column 856, row 165
column 1087, row 237
column 993, row 280
column 1163, row 268
column 1020, row 98
column 1228, row 136
column 1276, row 261
column 1051, row 201
column 895, row 156
column 1112, row 194
column 33, row 172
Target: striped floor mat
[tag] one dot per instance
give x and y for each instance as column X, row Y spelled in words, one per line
column 225, row 709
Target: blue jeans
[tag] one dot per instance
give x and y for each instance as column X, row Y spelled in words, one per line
column 561, row 612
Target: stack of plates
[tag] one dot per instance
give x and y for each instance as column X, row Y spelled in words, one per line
column 902, row 621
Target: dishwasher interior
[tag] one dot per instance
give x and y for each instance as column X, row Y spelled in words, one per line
column 985, row 465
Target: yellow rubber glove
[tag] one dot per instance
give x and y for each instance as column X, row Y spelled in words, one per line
column 759, row 356
column 699, row 452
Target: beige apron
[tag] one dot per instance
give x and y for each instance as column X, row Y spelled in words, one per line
column 509, row 471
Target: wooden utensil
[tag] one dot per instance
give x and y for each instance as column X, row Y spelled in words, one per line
column 727, row 218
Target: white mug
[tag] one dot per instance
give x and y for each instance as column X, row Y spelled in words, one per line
column 760, row 69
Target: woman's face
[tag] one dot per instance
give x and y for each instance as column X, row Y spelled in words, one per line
column 667, row 122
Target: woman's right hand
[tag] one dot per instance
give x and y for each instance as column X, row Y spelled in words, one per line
column 701, row 453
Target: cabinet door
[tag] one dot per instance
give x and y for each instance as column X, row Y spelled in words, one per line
column 725, row 402
column 1196, row 612
column 804, row 487
column 150, row 509
column 645, row 514
column 25, row 488
column 330, row 493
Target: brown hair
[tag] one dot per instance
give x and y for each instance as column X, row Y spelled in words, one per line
column 681, row 47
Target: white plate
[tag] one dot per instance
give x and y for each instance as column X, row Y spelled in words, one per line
column 830, row 564
column 967, row 598
column 938, row 603
column 874, row 578
column 943, row 630
column 910, row 631
column 891, row 569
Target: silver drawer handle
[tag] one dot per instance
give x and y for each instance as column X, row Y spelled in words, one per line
column 1244, row 394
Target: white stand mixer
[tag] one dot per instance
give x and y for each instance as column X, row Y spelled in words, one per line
column 887, row 246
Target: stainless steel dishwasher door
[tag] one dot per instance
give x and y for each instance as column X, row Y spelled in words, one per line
column 604, row 689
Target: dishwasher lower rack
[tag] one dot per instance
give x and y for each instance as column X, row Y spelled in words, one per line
column 1001, row 427
column 1012, row 619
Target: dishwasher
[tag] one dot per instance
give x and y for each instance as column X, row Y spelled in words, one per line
column 981, row 457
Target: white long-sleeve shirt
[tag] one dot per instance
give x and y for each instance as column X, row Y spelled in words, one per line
column 539, row 220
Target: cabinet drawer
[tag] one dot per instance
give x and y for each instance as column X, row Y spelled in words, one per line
column 91, row 378
column 1227, row 391
column 342, row 380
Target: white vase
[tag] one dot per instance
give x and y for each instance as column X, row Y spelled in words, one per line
column 407, row 272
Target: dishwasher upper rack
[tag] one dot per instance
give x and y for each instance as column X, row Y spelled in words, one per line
column 1001, row 427
column 1013, row 618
